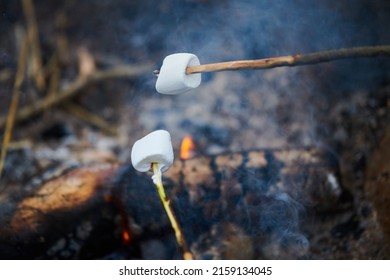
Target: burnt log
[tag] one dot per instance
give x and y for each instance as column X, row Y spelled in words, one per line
column 64, row 210
column 377, row 186
column 112, row 211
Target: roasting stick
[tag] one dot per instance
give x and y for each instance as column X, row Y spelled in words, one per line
column 181, row 72
column 241, row 65
column 187, row 255
column 154, row 151
column 291, row 60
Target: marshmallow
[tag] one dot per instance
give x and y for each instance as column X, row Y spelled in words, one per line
column 156, row 147
column 172, row 78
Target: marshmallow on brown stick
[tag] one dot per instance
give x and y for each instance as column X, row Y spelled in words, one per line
column 172, row 77
column 181, row 72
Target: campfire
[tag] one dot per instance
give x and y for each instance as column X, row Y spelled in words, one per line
column 187, row 147
column 277, row 141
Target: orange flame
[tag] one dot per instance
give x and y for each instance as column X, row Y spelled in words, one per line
column 126, row 237
column 187, row 147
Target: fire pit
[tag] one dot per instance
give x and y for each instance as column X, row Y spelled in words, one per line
column 269, row 164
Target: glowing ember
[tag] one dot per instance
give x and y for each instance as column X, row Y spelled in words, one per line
column 187, row 147
column 107, row 197
column 126, row 236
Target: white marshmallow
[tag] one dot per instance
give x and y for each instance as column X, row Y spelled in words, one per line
column 173, row 79
column 154, row 147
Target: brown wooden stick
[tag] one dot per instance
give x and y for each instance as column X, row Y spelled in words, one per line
column 292, row 60
column 89, row 117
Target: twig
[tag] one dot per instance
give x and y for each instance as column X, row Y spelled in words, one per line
column 33, row 37
column 81, row 113
column 187, row 255
column 75, row 87
column 62, row 44
column 54, row 70
column 19, row 145
column 55, row 75
column 19, row 77
column 292, row 60
column 60, row 57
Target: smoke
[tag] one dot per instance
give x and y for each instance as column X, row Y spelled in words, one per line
column 282, row 219
column 274, row 222
column 278, row 108
column 270, row 222
column 231, row 29
column 251, row 28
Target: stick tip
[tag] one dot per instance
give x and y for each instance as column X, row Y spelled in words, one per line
column 188, row 256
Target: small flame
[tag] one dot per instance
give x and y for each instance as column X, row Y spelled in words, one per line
column 126, row 236
column 187, row 147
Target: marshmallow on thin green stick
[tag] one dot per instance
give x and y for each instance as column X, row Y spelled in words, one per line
column 154, row 147
column 155, row 152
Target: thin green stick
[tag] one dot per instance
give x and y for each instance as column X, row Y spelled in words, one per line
column 187, row 255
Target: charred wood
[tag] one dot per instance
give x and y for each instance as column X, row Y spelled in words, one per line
column 257, row 196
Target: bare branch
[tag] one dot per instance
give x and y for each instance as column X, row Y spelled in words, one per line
column 10, row 120
column 75, row 87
